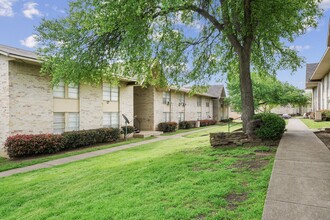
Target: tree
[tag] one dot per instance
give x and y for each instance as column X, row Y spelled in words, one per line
column 104, row 40
column 268, row 92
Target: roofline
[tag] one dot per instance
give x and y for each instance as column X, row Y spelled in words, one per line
column 318, row 74
column 15, row 56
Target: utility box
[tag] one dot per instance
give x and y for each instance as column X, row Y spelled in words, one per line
column 318, row 116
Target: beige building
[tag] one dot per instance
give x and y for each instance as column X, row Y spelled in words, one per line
column 29, row 104
column 318, row 80
column 153, row 106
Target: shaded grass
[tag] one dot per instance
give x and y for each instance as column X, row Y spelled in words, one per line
column 315, row 125
column 8, row 164
column 181, row 178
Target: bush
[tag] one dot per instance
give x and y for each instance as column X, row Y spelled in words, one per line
column 272, row 126
column 187, row 124
column 130, row 129
column 167, row 126
column 326, row 115
column 204, row 123
column 75, row 139
column 27, row 145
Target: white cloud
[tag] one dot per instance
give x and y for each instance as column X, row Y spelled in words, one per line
column 29, row 42
column 30, row 10
column 6, row 8
column 300, row 47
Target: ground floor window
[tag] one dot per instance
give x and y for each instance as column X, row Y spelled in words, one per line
column 181, row 116
column 208, row 115
column 73, row 121
column 166, row 116
column 59, row 122
column 199, row 115
column 111, row 119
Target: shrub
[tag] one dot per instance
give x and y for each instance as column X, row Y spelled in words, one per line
column 75, row 139
column 27, row 145
column 167, row 126
column 326, row 115
column 272, row 126
column 207, row 122
column 187, row 124
column 226, row 120
column 130, row 129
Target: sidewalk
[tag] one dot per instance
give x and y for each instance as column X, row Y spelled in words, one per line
column 88, row 155
column 299, row 187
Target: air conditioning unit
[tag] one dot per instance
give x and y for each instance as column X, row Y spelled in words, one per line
column 167, row 103
column 184, row 104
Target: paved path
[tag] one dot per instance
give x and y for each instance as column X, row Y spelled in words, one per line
column 299, row 187
column 89, row 155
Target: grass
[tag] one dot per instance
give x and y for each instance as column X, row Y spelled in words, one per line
column 315, row 125
column 173, row 179
column 8, row 164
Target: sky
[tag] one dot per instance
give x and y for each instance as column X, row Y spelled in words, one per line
column 18, row 19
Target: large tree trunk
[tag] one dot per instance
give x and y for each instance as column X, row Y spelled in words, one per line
column 246, row 89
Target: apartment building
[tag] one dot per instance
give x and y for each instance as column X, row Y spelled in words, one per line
column 153, row 106
column 29, row 104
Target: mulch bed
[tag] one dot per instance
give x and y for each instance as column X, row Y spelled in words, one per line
column 324, row 137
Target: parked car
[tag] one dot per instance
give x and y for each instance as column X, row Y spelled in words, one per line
column 286, row 116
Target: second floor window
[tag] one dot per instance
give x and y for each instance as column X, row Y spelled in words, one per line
column 181, row 98
column 110, row 93
column 199, row 101
column 166, row 98
column 70, row 91
column 207, row 103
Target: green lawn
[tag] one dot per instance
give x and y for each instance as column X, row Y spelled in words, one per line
column 173, row 179
column 8, row 164
column 315, row 125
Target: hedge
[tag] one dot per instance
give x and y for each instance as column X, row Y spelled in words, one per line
column 272, row 126
column 28, row 145
column 187, row 124
column 167, row 126
column 204, row 123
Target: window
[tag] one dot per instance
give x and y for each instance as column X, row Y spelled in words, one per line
column 58, row 123
column 207, row 103
column 62, row 91
column 111, row 120
column 181, row 116
column 199, row 101
column 73, row 91
column 166, row 98
column 59, row 90
column 110, row 93
column 73, row 122
column 208, row 115
column 181, row 99
column 167, row 116
column 199, row 115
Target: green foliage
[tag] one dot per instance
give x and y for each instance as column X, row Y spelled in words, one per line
column 134, row 35
column 326, row 115
column 130, row 129
column 28, row 145
column 167, row 126
column 268, row 92
column 272, row 126
column 187, row 124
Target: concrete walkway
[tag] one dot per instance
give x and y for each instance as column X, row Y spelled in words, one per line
column 299, row 187
column 89, row 155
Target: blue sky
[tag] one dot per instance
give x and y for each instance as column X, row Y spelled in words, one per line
column 19, row 17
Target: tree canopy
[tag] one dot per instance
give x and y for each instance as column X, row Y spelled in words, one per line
column 193, row 40
column 268, row 92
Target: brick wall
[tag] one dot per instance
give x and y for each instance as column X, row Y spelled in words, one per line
column 91, row 108
column 4, row 102
column 31, row 100
column 126, row 103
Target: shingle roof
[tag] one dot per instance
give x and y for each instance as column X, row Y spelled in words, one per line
column 214, row 91
column 12, row 51
column 310, row 68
